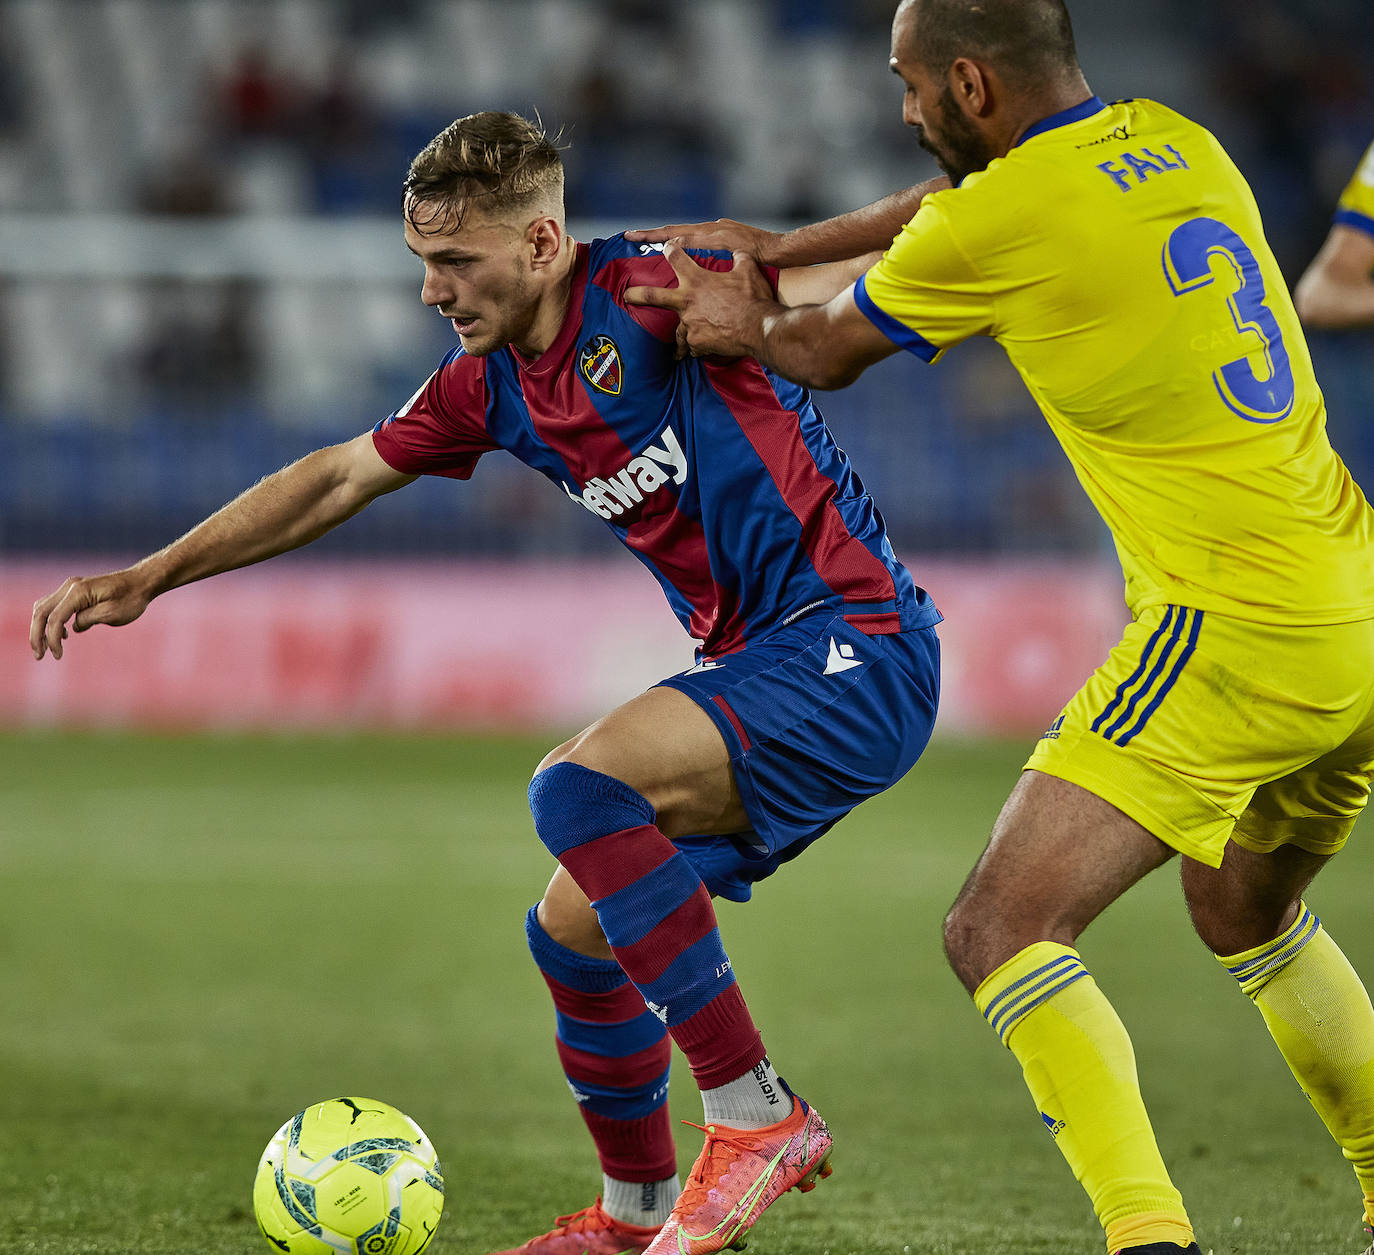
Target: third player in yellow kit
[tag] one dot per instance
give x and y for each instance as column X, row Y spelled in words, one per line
column 1356, row 206
column 1117, row 255
column 1337, row 289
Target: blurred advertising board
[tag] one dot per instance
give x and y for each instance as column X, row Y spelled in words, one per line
column 528, row 646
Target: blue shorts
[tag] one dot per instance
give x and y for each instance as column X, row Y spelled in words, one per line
column 817, row 717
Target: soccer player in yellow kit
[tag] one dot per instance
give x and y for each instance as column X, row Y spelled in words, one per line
column 1337, row 289
column 1117, row 255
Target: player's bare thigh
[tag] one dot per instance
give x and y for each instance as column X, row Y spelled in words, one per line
column 665, row 747
column 1057, row 857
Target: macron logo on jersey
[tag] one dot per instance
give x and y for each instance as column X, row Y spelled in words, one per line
column 841, row 658
column 613, row 495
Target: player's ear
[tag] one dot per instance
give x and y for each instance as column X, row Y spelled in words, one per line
column 971, row 87
column 545, row 238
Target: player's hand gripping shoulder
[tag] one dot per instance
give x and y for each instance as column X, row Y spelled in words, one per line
column 733, row 313
column 724, row 234
column 719, row 311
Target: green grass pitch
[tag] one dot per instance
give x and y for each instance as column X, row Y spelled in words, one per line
column 201, row 935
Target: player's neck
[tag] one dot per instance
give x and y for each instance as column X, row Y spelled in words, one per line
column 552, row 307
column 1046, row 104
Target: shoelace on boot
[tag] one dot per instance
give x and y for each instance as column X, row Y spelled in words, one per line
column 579, row 1221
column 695, row 1191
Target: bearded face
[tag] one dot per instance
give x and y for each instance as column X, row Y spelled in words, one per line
column 948, row 136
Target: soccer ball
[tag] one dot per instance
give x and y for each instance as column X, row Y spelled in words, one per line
column 351, row 1176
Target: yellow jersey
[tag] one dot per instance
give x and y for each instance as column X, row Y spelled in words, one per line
column 1117, row 255
column 1356, row 205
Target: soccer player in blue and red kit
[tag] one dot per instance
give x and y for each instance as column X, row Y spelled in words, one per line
column 815, row 684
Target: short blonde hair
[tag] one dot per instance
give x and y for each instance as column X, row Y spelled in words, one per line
column 491, row 162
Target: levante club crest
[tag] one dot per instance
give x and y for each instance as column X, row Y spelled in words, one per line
column 600, row 364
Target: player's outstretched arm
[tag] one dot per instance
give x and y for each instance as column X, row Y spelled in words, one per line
column 866, row 230
column 1337, row 289
column 815, row 285
column 733, row 313
column 296, row 505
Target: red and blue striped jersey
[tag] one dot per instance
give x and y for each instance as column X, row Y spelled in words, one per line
column 720, row 476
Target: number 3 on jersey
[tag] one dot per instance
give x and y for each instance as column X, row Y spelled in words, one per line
column 1188, row 267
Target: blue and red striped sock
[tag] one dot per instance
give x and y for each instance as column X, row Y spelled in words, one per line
column 655, row 912
column 615, row 1054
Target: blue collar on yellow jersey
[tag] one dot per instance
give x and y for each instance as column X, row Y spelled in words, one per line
column 1075, row 113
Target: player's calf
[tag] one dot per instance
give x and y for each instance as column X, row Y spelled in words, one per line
column 615, row 1056
column 654, row 911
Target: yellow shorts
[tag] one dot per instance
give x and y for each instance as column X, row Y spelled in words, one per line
column 1202, row 728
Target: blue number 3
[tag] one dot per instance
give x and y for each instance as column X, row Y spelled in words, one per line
column 1188, row 267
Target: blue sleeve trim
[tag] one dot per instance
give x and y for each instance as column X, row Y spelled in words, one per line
column 1076, row 113
column 898, row 332
column 1353, row 218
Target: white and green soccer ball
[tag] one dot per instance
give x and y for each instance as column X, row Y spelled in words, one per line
column 351, row 1176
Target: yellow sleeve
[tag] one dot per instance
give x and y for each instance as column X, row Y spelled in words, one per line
column 924, row 294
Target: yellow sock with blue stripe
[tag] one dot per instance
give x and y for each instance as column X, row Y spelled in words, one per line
column 1319, row 1015
column 1080, row 1069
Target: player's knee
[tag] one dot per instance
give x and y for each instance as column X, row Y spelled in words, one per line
column 572, row 805
column 962, row 938
column 972, row 937
column 1208, row 922
column 557, row 755
column 1232, row 915
column 981, row 932
column 568, row 919
column 1234, row 928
